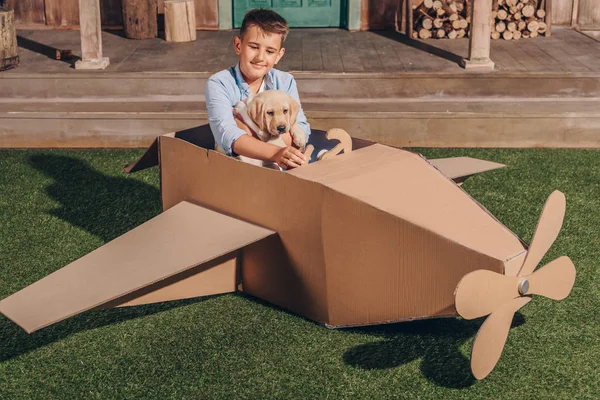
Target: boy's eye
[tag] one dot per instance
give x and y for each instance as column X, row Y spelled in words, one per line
column 271, row 52
column 270, row 113
column 285, row 111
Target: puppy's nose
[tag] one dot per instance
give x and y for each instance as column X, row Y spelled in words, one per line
column 281, row 128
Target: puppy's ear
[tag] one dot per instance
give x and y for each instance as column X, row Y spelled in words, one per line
column 294, row 109
column 255, row 111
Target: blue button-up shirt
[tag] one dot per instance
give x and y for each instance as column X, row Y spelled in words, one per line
column 225, row 88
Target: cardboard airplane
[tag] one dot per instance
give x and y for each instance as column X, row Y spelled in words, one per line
column 373, row 235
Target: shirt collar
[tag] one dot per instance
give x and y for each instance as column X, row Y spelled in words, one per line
column 245, row 87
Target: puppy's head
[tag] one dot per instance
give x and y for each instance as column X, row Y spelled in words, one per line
column 273, row 111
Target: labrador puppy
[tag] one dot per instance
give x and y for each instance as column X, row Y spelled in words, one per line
column 270, row 114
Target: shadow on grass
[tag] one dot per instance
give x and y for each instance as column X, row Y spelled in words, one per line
column 16, row 342
column 435, row 341
column 104, row 206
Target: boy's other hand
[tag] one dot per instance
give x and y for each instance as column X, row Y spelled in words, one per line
column 288, row 158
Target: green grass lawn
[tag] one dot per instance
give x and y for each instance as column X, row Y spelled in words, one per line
column 56, row 206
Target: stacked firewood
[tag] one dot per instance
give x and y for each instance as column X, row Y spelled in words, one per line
column 441, row 19
column 514, row 19
column 511, row 19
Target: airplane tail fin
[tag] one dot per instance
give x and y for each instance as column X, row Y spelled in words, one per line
column 460, row 168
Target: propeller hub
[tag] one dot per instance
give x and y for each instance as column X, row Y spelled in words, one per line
column 523, row 287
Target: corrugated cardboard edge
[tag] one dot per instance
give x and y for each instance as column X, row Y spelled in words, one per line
column 423, row 318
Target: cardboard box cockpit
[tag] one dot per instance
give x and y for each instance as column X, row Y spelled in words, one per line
column 373, row 235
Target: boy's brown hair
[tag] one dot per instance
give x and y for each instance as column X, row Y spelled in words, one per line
column 267, row 20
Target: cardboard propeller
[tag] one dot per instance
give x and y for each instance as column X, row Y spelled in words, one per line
column 484, row 292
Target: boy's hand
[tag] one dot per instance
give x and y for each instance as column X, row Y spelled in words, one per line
column 288, row 158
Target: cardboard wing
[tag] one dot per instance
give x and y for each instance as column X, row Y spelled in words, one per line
column 185, row 252
column 460, row 168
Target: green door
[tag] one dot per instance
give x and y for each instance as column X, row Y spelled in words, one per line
column 298, row 13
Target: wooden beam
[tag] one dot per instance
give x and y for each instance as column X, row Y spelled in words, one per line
column 574, row 13
column 479, row 39
column 548, row 19
column 225, row 12
column 354, row 15
column 91, row 36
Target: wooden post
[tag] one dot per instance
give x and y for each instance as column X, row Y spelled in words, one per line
column 140, row 19
column 9, row 49
column 548, row 18
column 180, row 21
column 479, row 37
column 91, row 39
column 409, row 17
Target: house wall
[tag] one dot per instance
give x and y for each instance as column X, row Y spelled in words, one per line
column 378, row 14
column 374, row 14
column 561, row 12
column 64, row 14
column 28, row 12
column 583, row 13
column 589, row 13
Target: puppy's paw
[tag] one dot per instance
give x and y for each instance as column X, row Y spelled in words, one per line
column 300, row 142
column 240, row 108
column 299, row 137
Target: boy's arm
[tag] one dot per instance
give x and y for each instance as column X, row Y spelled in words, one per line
column 285, row 157
column 292, row 90
column 220, row 116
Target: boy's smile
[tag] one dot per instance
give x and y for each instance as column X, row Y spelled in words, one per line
column 259, row 51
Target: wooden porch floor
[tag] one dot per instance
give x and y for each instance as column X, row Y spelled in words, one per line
column 328, row 50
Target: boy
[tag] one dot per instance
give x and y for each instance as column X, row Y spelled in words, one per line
column 259, row 47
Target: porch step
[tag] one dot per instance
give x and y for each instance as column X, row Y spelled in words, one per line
column 313, row 86
column 445, row 121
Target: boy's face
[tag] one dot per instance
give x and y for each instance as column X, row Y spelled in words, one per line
column 258, row 51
